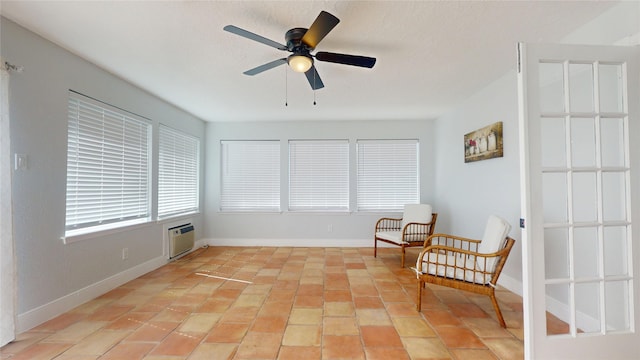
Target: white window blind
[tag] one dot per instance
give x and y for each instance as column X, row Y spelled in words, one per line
column 108, row 156
column 319, row 175
column 387, row 174
column 178, row 173
column 250, row 175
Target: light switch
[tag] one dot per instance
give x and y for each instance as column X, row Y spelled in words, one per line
column 20, row 161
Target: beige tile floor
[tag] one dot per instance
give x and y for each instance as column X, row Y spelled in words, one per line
column 282, row 303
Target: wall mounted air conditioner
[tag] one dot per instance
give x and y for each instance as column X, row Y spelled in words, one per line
column 181, row 239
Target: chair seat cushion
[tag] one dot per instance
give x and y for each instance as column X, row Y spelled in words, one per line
column 458, row 267
column 395, row 236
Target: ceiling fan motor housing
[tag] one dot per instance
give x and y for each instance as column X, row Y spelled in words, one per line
column 293, row 38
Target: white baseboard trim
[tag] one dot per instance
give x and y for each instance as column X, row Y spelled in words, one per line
column 32, row 318
column 510, row 283
column 294, row 242
column 200, row 243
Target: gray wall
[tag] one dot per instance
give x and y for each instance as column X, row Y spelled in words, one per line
column 467, row 193
column 49, row 270
column 298, row 228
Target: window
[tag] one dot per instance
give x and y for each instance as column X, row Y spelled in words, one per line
column 250, row 176
column 319, row 175
column 178, row 173
column 387, row 174
column 108, row 157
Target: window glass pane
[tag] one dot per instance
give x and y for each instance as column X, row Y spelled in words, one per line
column 250, row 175
column 614, row 196
column 583, row 142
column 586, row 252
column 108, row 176
column 581, row 87
column 178, row 172
column 585, row 202
column 611, row 88
column 551, row 87
column 617, row 305
column 554, row 197
column 387, row 174
column 557, row 296
column 556, row 253
column 319, row 175
column 587, row 300
column 554, row 142
column 612, row 142
column 616, row 251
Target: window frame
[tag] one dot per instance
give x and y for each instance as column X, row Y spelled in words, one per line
column 255, row 175
column 184, row 153
column 386, row 172
column 94, row 138
column 320, row 180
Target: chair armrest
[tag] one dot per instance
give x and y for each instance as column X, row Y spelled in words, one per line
column 388, row 224
column 455, row 242
column 449, row 250
column 413, row 232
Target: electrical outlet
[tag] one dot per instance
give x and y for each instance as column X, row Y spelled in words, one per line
column 125, row 253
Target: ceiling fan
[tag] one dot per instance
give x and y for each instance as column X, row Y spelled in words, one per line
column 300, row 43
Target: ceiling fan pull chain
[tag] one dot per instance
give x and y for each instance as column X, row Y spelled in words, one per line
column 286, row 88
column 314, row 87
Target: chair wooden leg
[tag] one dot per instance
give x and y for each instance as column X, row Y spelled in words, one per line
column 402, row 255
column 375, row 247
column 419, row 296
column 497, row 308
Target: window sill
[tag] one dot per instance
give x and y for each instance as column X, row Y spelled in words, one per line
column 72, row 236
column 317, row 212
column 176, row 217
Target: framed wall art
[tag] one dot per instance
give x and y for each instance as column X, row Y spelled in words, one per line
column 484, row 143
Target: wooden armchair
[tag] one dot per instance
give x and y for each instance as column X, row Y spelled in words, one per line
column 415, row 226
column 466, row 264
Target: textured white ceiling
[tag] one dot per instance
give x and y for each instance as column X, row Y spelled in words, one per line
column 431, row 55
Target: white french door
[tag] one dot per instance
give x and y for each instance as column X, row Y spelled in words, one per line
column 7, row 253
column 580, row 186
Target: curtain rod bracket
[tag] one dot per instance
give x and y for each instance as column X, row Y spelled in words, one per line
column 11, row 67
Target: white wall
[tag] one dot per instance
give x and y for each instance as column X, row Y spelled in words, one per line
column 52, row 276
column 467, row 193
column 296, row 228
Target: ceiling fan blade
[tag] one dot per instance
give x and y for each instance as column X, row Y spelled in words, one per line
column 314, row 79
column 324, row 23
column 355, row 60
column 255, row 37
column 265, row 67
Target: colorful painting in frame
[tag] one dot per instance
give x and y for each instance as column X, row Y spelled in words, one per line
column 485, row 143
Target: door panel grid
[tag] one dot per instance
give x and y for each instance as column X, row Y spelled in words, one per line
column 585, row 193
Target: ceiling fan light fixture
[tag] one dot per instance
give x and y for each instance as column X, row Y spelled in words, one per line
column 300, row 63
